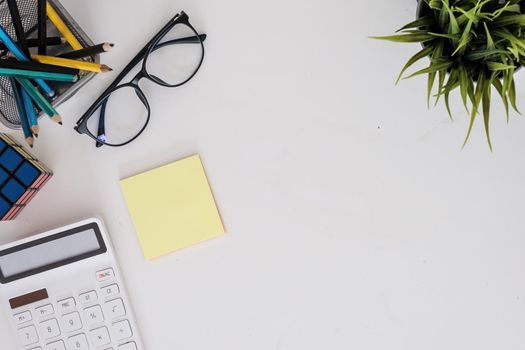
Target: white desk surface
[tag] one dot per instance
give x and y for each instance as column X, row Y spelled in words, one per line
column 354, row 219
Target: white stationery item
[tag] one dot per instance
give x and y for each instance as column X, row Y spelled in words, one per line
column 62, row 290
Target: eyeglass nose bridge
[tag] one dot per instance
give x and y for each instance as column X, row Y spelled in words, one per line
column 137, row 78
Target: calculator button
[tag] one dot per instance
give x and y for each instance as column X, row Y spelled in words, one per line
column 110, row 291
column 28, row 335
column 45, row 310
column 50, row 328
column 78, row 342
column 71, row 322
column 105, row 275
column 115, row 308
column 88, row 297
column 93, row 315
column 23, row 317
column 122, row 330
column 100, row 337
column 128, row 346
column 58, row 345
column 67, row 305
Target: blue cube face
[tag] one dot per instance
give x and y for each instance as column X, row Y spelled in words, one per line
column 12, row 190
column 4, row 207
column 27, row 174
column 3, row 176
column 10, row 159
column 2, row 145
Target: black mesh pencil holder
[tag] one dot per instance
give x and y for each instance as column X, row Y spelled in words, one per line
column 28, row 12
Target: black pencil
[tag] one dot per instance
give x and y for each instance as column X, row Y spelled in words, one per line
column 19, row 28
column 42, row 27
column 51, row 41
column 87, row 51
column 35, row 66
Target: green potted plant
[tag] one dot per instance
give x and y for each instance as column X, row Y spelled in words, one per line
column 473, row 46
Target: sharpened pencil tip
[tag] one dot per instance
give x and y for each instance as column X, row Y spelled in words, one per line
column 57, row 119
column 60, row 123
column 36, row 135
column 107, row 46
column 104, row 68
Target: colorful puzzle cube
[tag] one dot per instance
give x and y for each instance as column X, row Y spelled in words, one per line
column 21, row 177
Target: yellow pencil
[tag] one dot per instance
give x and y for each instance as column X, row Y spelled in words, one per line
column 66, row 62
column 62, row 27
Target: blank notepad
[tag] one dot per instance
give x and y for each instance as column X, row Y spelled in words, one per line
column 172, row 207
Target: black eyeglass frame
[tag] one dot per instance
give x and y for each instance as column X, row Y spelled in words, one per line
column 142, row 55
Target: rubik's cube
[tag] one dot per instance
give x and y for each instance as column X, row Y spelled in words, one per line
column 21, row 177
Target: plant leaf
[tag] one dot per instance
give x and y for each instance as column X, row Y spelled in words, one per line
column 447, row 104
column 433, row 68
column 486, row 110
column 512, row 96
column 430, row 85
column 490, row 41
column 418, row 23
column 441, row 83
column 499, row 88
column 465, row 38
column 406, row 38
column 475, row 55
column 497, row 66
column 423, row 53
column 453, row 26
column 463, row 85
column 475, row 106
column 504, row 21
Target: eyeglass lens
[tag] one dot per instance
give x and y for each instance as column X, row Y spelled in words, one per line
column 170, row 63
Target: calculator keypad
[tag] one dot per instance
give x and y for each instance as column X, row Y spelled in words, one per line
column 115, row 308
column 50, row 328
column 66, row 305
column 57, row 345
column 78, row 342
column 86, row 298
column 45, row 310
column 28, row 335
column 93, row 315
column 93, row 319
column 100, row 336
column 71, row 322
column 23, row 317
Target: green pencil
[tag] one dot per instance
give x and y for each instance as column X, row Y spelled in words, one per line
column 33, row 74
column 40, row 100
column 17, row 93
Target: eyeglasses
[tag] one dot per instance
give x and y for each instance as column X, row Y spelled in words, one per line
column 170, row 59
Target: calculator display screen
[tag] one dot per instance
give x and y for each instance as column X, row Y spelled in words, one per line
column 50, row 252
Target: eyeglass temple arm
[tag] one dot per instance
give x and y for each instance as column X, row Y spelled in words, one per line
column 187, row 40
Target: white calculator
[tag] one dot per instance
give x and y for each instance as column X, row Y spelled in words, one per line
column 62, row 290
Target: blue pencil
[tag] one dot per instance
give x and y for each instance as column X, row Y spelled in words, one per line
column 17, row 93
column 21, row 56
column 31, row 114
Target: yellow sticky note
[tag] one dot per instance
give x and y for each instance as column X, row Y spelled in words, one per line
column 172, row 207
